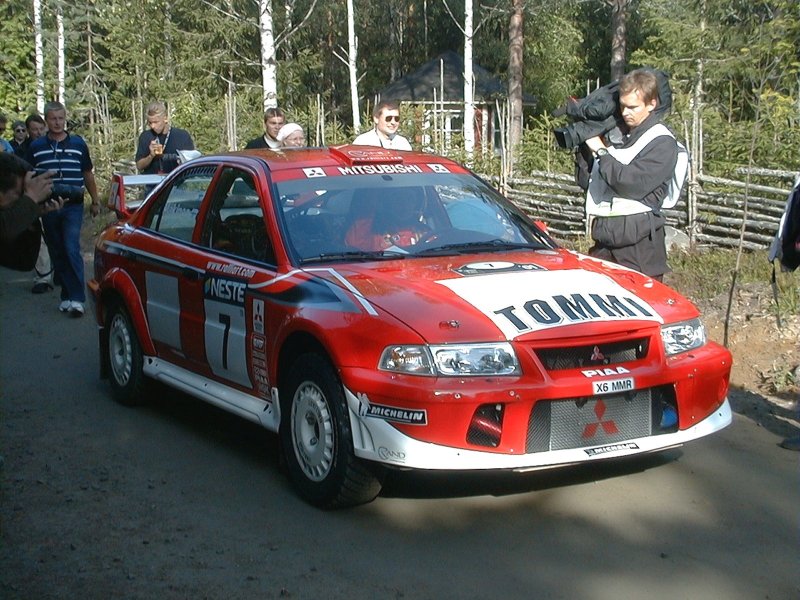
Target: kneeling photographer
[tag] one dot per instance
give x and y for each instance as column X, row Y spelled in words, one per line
column 24, row 197
column 631, row 180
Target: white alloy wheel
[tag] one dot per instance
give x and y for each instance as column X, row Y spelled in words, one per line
column 120, row 349
column 312, row 431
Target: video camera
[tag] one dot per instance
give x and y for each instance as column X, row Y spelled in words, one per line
column 598, row 113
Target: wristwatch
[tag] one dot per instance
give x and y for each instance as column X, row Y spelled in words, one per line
column 600, row 152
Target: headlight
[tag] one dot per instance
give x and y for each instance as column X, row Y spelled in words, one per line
column 415, row 360
column 682, row 337
column 452, row 360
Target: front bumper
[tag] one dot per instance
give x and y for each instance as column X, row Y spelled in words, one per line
column 379, row 441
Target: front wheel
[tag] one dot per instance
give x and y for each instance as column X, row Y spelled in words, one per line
column 316, row 438
column 124, row 354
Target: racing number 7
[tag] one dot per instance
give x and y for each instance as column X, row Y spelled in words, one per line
column 226, row 321
column 225, row 335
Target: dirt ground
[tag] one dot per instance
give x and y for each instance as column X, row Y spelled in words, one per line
column 764, row 356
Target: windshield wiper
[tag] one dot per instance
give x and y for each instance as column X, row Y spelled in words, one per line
column 355, row 255
column 491, row 245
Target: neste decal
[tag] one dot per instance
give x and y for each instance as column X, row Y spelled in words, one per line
column 224, row 289
column 525, row 301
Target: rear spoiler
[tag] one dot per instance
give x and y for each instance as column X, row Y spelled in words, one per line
column 129, row 191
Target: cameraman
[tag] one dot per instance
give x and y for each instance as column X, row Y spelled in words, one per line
column 24, row 197
column 68, row 155
column 630, row 182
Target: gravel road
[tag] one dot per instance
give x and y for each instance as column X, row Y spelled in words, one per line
column 179, row 500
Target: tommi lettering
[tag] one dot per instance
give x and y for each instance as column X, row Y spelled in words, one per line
column 575, row 308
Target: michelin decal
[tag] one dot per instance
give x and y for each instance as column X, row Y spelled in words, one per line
column 525, row 302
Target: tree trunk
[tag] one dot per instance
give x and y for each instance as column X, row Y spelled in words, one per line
column 39, row 54
column 619, row 37
column 61, row 59
column 91, row 80
column 469, row 85
column 696, row 140
column 269, row 66
column 515, row 48
column 352, row 58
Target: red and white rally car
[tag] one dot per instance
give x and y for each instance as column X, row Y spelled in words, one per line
column 389, row 309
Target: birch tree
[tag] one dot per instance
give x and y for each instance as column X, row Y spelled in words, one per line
column 352, row 58
column 39, row 53
column 469, row 83
column 61, row 44
column 269, row 68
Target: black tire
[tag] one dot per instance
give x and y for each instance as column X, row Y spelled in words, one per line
column 124, row 355
column 316, row 439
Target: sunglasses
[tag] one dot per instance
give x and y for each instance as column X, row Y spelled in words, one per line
column 20, row 130
column 390, row 118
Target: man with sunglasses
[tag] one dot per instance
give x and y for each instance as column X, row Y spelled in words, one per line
column 386, row 117
column 20, row 134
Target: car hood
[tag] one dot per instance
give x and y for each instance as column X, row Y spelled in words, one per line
column 516, row 295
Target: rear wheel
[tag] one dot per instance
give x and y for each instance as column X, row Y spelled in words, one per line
column 316, row 439
column 124, row 355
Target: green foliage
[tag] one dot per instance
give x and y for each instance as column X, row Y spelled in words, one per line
column 552, row 54
column 704, row 275
column 18, row 85
column 189, row 53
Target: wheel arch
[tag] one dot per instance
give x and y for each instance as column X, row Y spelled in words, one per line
column 118, row 287
column 294, row 346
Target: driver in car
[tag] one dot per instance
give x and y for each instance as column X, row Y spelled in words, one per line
column 387, row 223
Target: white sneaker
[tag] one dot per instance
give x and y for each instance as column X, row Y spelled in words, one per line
column 76, row 309
column 64, row 306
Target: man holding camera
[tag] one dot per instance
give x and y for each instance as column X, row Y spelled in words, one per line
column 630, row 183
column 67, row 156
column 24, row 197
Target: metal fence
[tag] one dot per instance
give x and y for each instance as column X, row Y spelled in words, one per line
column 711, row 209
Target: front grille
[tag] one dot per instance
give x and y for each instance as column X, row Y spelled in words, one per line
column 593, row 355
column 592, row 421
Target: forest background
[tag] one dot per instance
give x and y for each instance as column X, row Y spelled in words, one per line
column 735, row 63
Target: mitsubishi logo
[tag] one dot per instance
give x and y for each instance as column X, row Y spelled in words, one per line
column 596, row 354
column 609, row 427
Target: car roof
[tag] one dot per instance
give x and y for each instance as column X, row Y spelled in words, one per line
column 338, row 156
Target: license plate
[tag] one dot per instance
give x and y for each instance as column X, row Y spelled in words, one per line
column 612, row 386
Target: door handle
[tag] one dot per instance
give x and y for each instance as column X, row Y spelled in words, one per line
column 191, row 274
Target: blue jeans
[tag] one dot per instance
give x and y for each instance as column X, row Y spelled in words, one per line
column 62, row 231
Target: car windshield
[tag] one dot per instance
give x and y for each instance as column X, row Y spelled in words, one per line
column 336, row 219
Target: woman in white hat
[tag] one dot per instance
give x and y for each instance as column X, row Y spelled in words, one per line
column 291, row 136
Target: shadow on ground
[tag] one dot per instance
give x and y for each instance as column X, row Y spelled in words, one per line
column 777, row 414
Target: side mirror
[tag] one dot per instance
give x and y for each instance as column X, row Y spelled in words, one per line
column 129, row 191
column 541, row 225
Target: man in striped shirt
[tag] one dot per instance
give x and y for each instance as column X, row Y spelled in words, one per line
column 67, row 156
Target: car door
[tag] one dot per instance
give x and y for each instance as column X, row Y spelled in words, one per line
column 165, row 260
column 237, row 252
